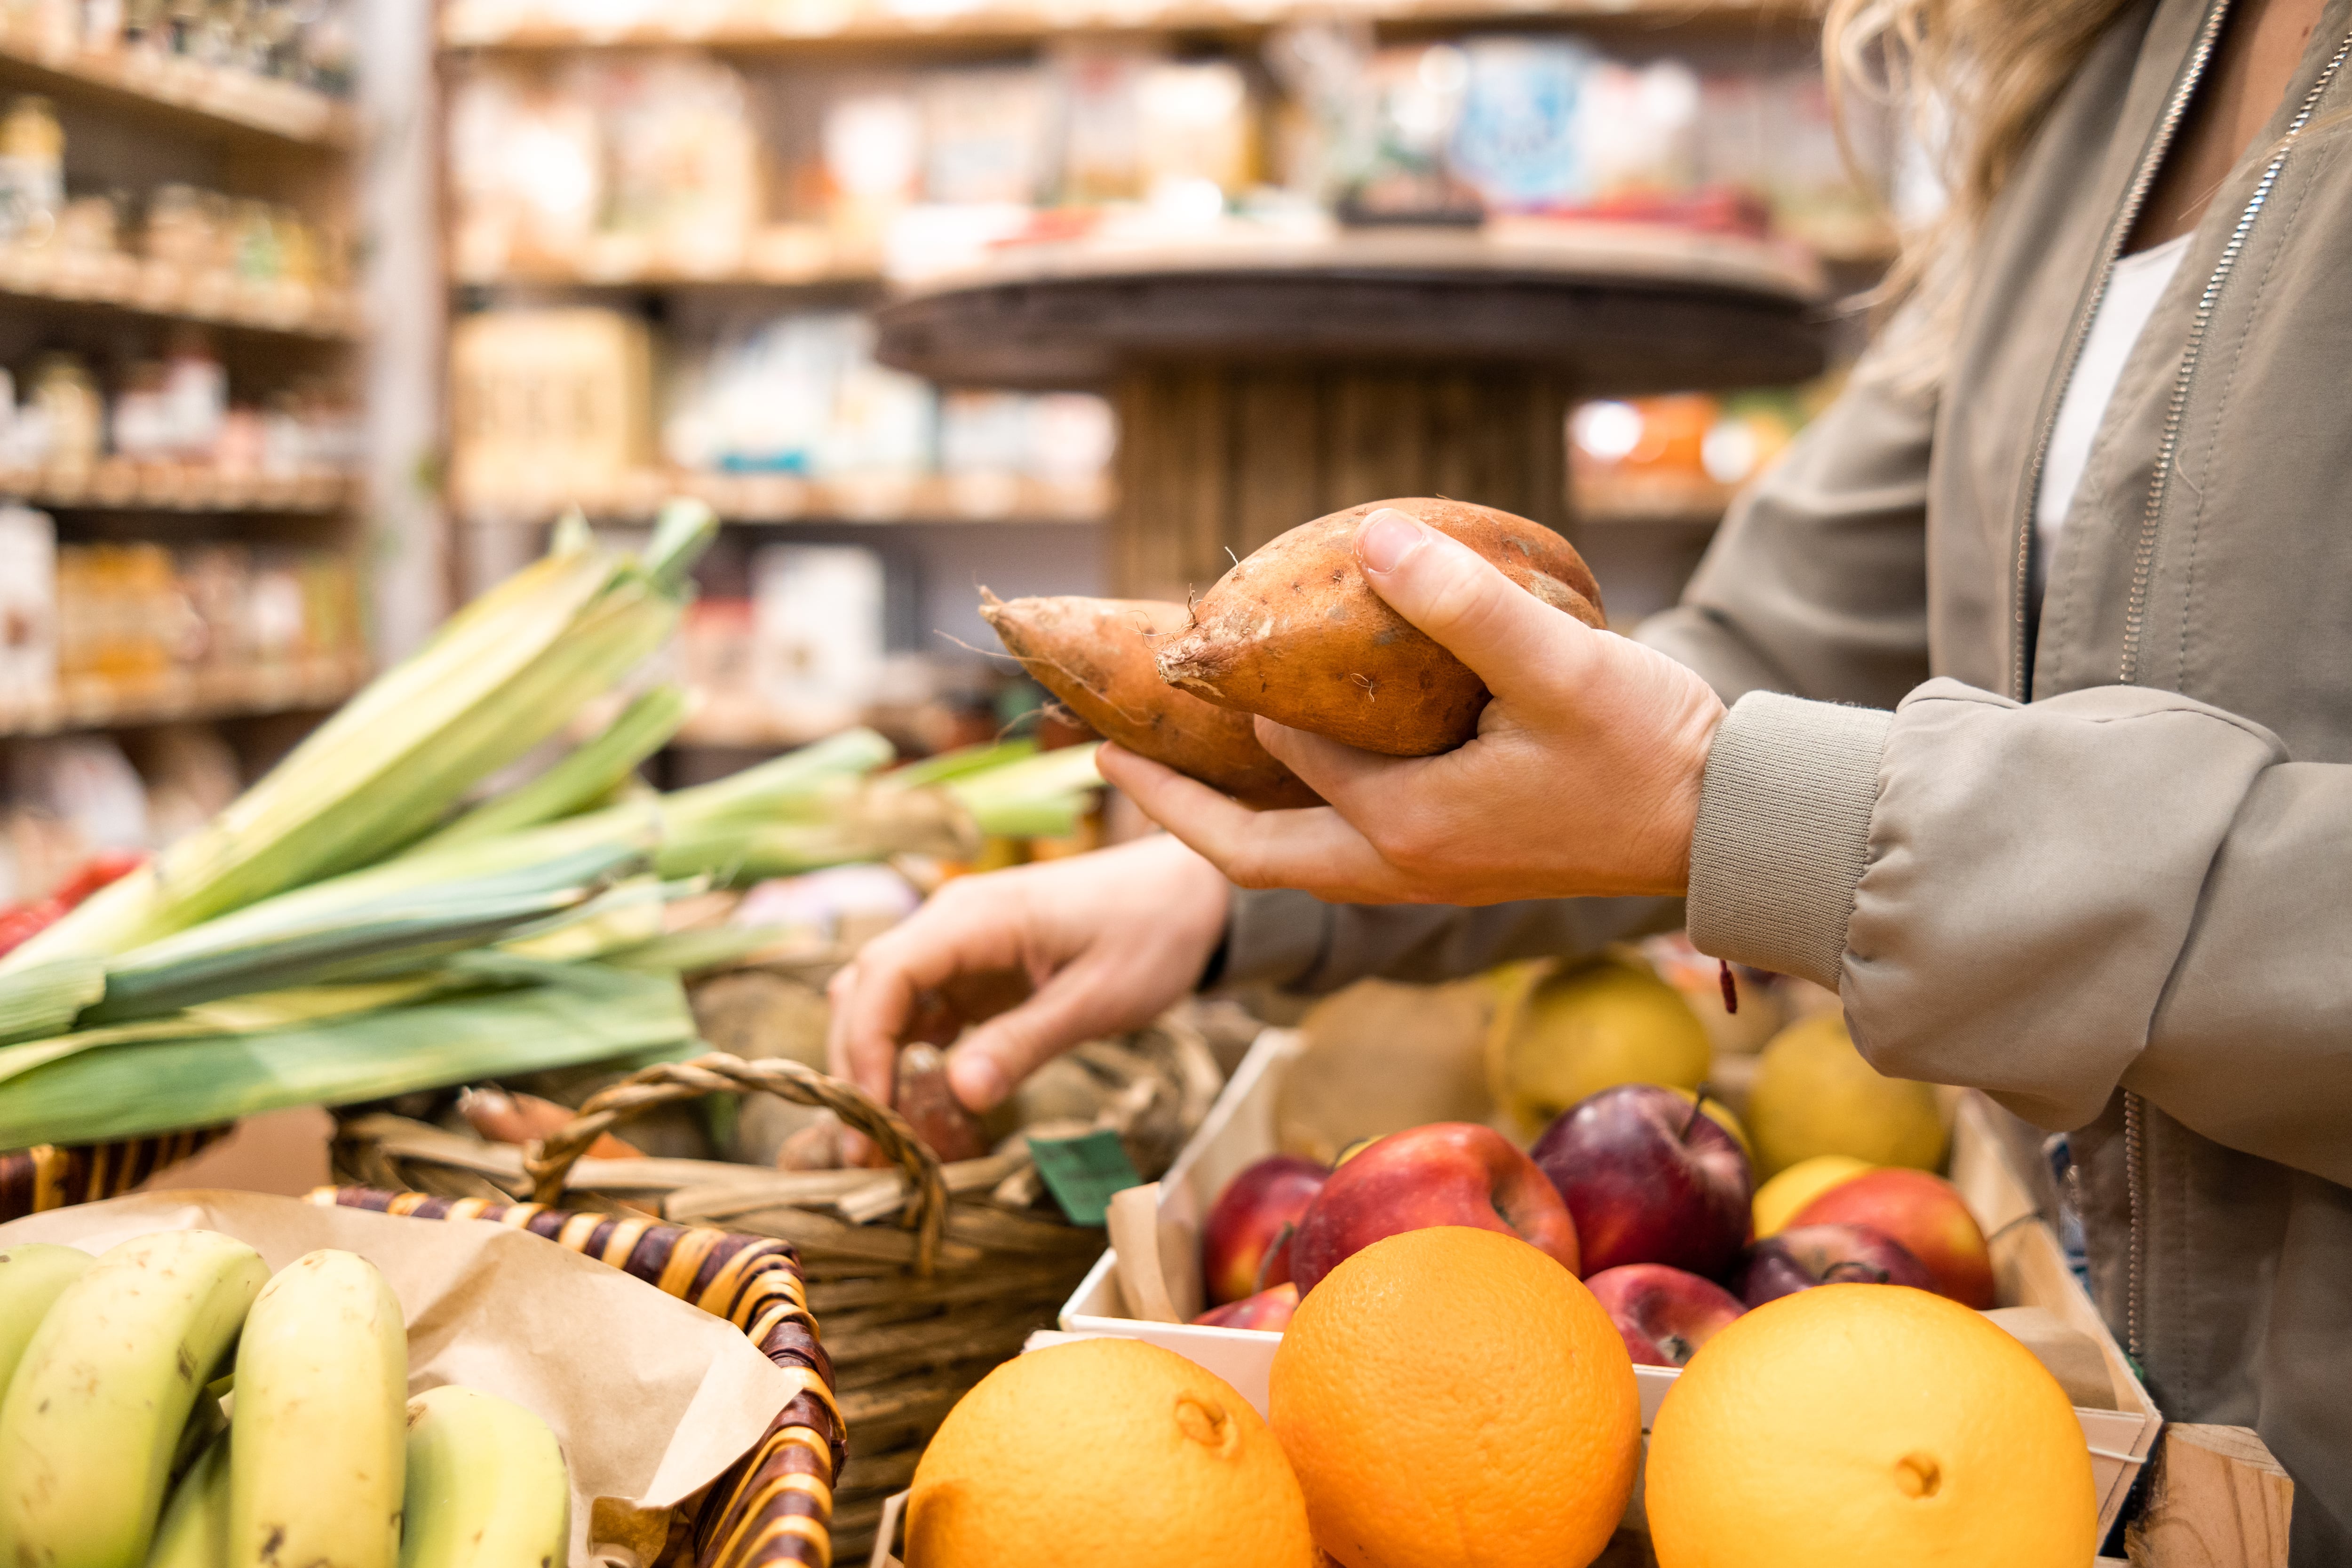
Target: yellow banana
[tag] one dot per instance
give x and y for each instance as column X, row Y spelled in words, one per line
column 94, row 1410
column 487, row 1487
column 193, row 1531
column 318, row 1430
column 31, row 1277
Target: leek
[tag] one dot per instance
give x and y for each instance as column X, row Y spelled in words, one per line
column 555, row 1015
column 586, row 773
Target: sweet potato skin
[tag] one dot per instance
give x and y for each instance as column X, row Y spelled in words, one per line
column 1294, row 632
column 1096, row 657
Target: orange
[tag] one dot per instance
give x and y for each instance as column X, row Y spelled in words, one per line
column 1104, row 1451
column 1452, row 1397
column 1854, row 1425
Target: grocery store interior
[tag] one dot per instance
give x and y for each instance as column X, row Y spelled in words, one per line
column 738, row 362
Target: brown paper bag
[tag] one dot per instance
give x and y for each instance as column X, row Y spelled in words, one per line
column 650, row 1397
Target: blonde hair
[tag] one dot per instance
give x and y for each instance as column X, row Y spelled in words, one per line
column 1974, row 79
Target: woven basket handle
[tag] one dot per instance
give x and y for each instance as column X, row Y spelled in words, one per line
column 549, row 1163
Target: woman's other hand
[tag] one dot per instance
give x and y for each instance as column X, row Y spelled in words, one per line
column 1039, row 958
column 1583, row 778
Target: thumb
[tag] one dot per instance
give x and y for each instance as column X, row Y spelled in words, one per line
column 991, row 1058
column 1504, row 634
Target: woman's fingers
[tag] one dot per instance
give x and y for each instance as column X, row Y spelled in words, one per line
column 1512, row 640
column 1086, row 999
column 1312, row 850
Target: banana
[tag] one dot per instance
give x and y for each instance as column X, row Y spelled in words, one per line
column 487, row 1487
column 94, row 1410
column 318, row 1432
column 31, row 1277
column 193, row 1531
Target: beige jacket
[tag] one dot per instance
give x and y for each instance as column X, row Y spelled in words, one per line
column 2126, row 906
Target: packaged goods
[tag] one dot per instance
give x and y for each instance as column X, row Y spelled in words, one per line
column 1095, row 655
column 1295, row 633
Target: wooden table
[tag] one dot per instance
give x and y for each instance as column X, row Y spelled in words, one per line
column 1261, row 381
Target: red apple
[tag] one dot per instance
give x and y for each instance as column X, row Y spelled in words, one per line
column 1448, row 1173
column 1246, row 1240
column 1804, row 1256
column 1649, row 1178
column 1268, row 1310
column 1663, row 1314
column 1927, row 1215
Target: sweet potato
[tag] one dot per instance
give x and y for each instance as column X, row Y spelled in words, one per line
column 1294, row 632
column 1096, row 657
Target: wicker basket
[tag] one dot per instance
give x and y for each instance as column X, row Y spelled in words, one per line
column 771, row 1508
column 923, row 1278
column 54, row 1175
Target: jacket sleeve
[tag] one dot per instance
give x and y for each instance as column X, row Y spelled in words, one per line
column 1816, row 583
column 2117, row 886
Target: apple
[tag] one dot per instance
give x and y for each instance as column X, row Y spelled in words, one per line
column 1268, row 1310
column 1927, row 1215
column 1649, row 1179
column 1804, row 1256
column 1663, row 1314
column 1246, row 1240
column 1448, row 1173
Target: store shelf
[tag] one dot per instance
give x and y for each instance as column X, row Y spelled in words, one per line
column 1651, row 500
column 796, row 23
column 183, row 89
column 614, row 265
column 119, row 484
column 111, row 280
column 781, row 497
column 222, row 694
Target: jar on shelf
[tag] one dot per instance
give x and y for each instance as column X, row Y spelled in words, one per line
column 32, row 170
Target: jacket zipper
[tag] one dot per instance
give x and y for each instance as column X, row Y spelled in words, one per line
column 2151, row 161
column 2143, row 571
column 2167, row 450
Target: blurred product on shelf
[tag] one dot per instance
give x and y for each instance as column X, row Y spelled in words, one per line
column 75, row 811
column 305, row 43
column 618, row 167
column 1675, row 459
column 555, row 405
column 804, row 655
column 194, row 252
column 140, row 625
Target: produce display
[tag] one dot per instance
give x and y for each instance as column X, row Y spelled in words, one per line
column 1096, row 657
column 171, row 1403
column 361, row 922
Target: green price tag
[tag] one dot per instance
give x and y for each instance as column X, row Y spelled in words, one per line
column 1081, row 1173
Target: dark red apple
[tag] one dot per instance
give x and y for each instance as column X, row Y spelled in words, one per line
column 1246, row 1240
column 1269, row 1310
column 1927, row 1215
column 1663, row 1314
column 1649, row 1178
column 1804, row 1256
column 1448, row 1173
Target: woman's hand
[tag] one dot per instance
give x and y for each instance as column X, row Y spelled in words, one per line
column 1040, row 957
column 1583, row 778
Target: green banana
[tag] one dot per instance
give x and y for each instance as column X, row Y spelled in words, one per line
column 487, row 1487
column 31, row 1277
column 317, row 1436
column 94, row 1414
column 193, row 1531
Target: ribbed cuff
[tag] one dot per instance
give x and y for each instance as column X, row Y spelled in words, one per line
column 1276, row 937
column 1783, row 833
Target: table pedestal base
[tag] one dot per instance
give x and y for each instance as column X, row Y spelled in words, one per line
column 1215, row 461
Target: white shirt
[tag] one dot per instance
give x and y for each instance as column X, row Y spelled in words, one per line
column 2134, row 286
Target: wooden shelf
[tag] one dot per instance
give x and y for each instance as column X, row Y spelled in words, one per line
column 1651, row 500
column 210, row 96
column 632, row 268
column 800, row 23
column 219, row 694
column 112, row 281
column 119, row 484
column 782, row 498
